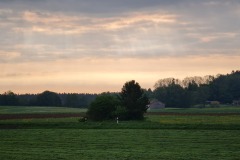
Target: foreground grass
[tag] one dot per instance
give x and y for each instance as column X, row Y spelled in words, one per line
column 74, row 144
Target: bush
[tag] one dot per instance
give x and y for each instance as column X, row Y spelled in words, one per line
column 103, row 108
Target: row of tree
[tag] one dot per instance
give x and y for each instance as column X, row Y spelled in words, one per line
column 173, row 92
column 47, row 98
column 197, row 90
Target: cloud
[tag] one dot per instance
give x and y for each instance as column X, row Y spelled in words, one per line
column 47, row 36
column 8, row 55
column 98, row 8
column 49, row 23
column 214, row 36
column 95, row 46
column 137, row 19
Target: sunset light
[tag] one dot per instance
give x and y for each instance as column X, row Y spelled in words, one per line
column 89, row 47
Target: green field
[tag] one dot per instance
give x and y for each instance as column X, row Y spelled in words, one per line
column 158, row 137
column 207, row 110
column 27, row 109
column 30, row 109
column 119, row 144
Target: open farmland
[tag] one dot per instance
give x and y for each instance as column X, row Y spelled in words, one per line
column 223, row 110
column 38, row 110
column 119, row 144
column 23, row 112
column 159, row 137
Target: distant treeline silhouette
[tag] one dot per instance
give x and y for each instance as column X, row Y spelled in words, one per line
column 194, row 91
column 189, row 92
column 47, row 98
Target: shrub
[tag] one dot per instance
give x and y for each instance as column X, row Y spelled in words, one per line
column 102, row 108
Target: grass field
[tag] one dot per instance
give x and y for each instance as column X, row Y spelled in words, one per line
column 119, row 144
column 170, row 137
column 151, row 122
column 29, row 109
column 223, row 109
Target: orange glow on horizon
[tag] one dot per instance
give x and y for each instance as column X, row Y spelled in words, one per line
column 101, row 75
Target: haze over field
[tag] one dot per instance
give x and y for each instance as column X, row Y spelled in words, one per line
column 97, row 45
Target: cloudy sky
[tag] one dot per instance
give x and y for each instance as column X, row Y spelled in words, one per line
column 91, row 46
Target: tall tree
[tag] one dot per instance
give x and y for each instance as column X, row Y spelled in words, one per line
column 134, row 100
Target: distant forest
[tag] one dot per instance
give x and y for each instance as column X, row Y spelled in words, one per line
column 47, row 98
column 189, row 92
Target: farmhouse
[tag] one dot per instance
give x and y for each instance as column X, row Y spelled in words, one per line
column 155, row 104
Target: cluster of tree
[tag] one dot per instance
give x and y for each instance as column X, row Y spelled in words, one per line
column 47, row 98
column 130, row 104
column 225, row 88
column 197, row 90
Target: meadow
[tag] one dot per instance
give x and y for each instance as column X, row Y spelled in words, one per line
column 40, row 109
column 158, row 137
column 35, row 109
column 119, row 144
column 223, row 109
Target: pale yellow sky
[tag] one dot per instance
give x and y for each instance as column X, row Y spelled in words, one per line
column 99, row 75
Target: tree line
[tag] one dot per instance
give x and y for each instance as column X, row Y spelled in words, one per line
column 194, row 91
column 188, row 92
column 47, row 98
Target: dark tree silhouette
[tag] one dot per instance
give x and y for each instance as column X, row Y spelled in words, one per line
column 103, row 107
column 48, row 98
column 9, row 99
column 134, row 100
column 172, row 95
column 226, row 88
column 72, row 100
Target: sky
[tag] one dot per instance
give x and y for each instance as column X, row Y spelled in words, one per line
column 94, row 46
